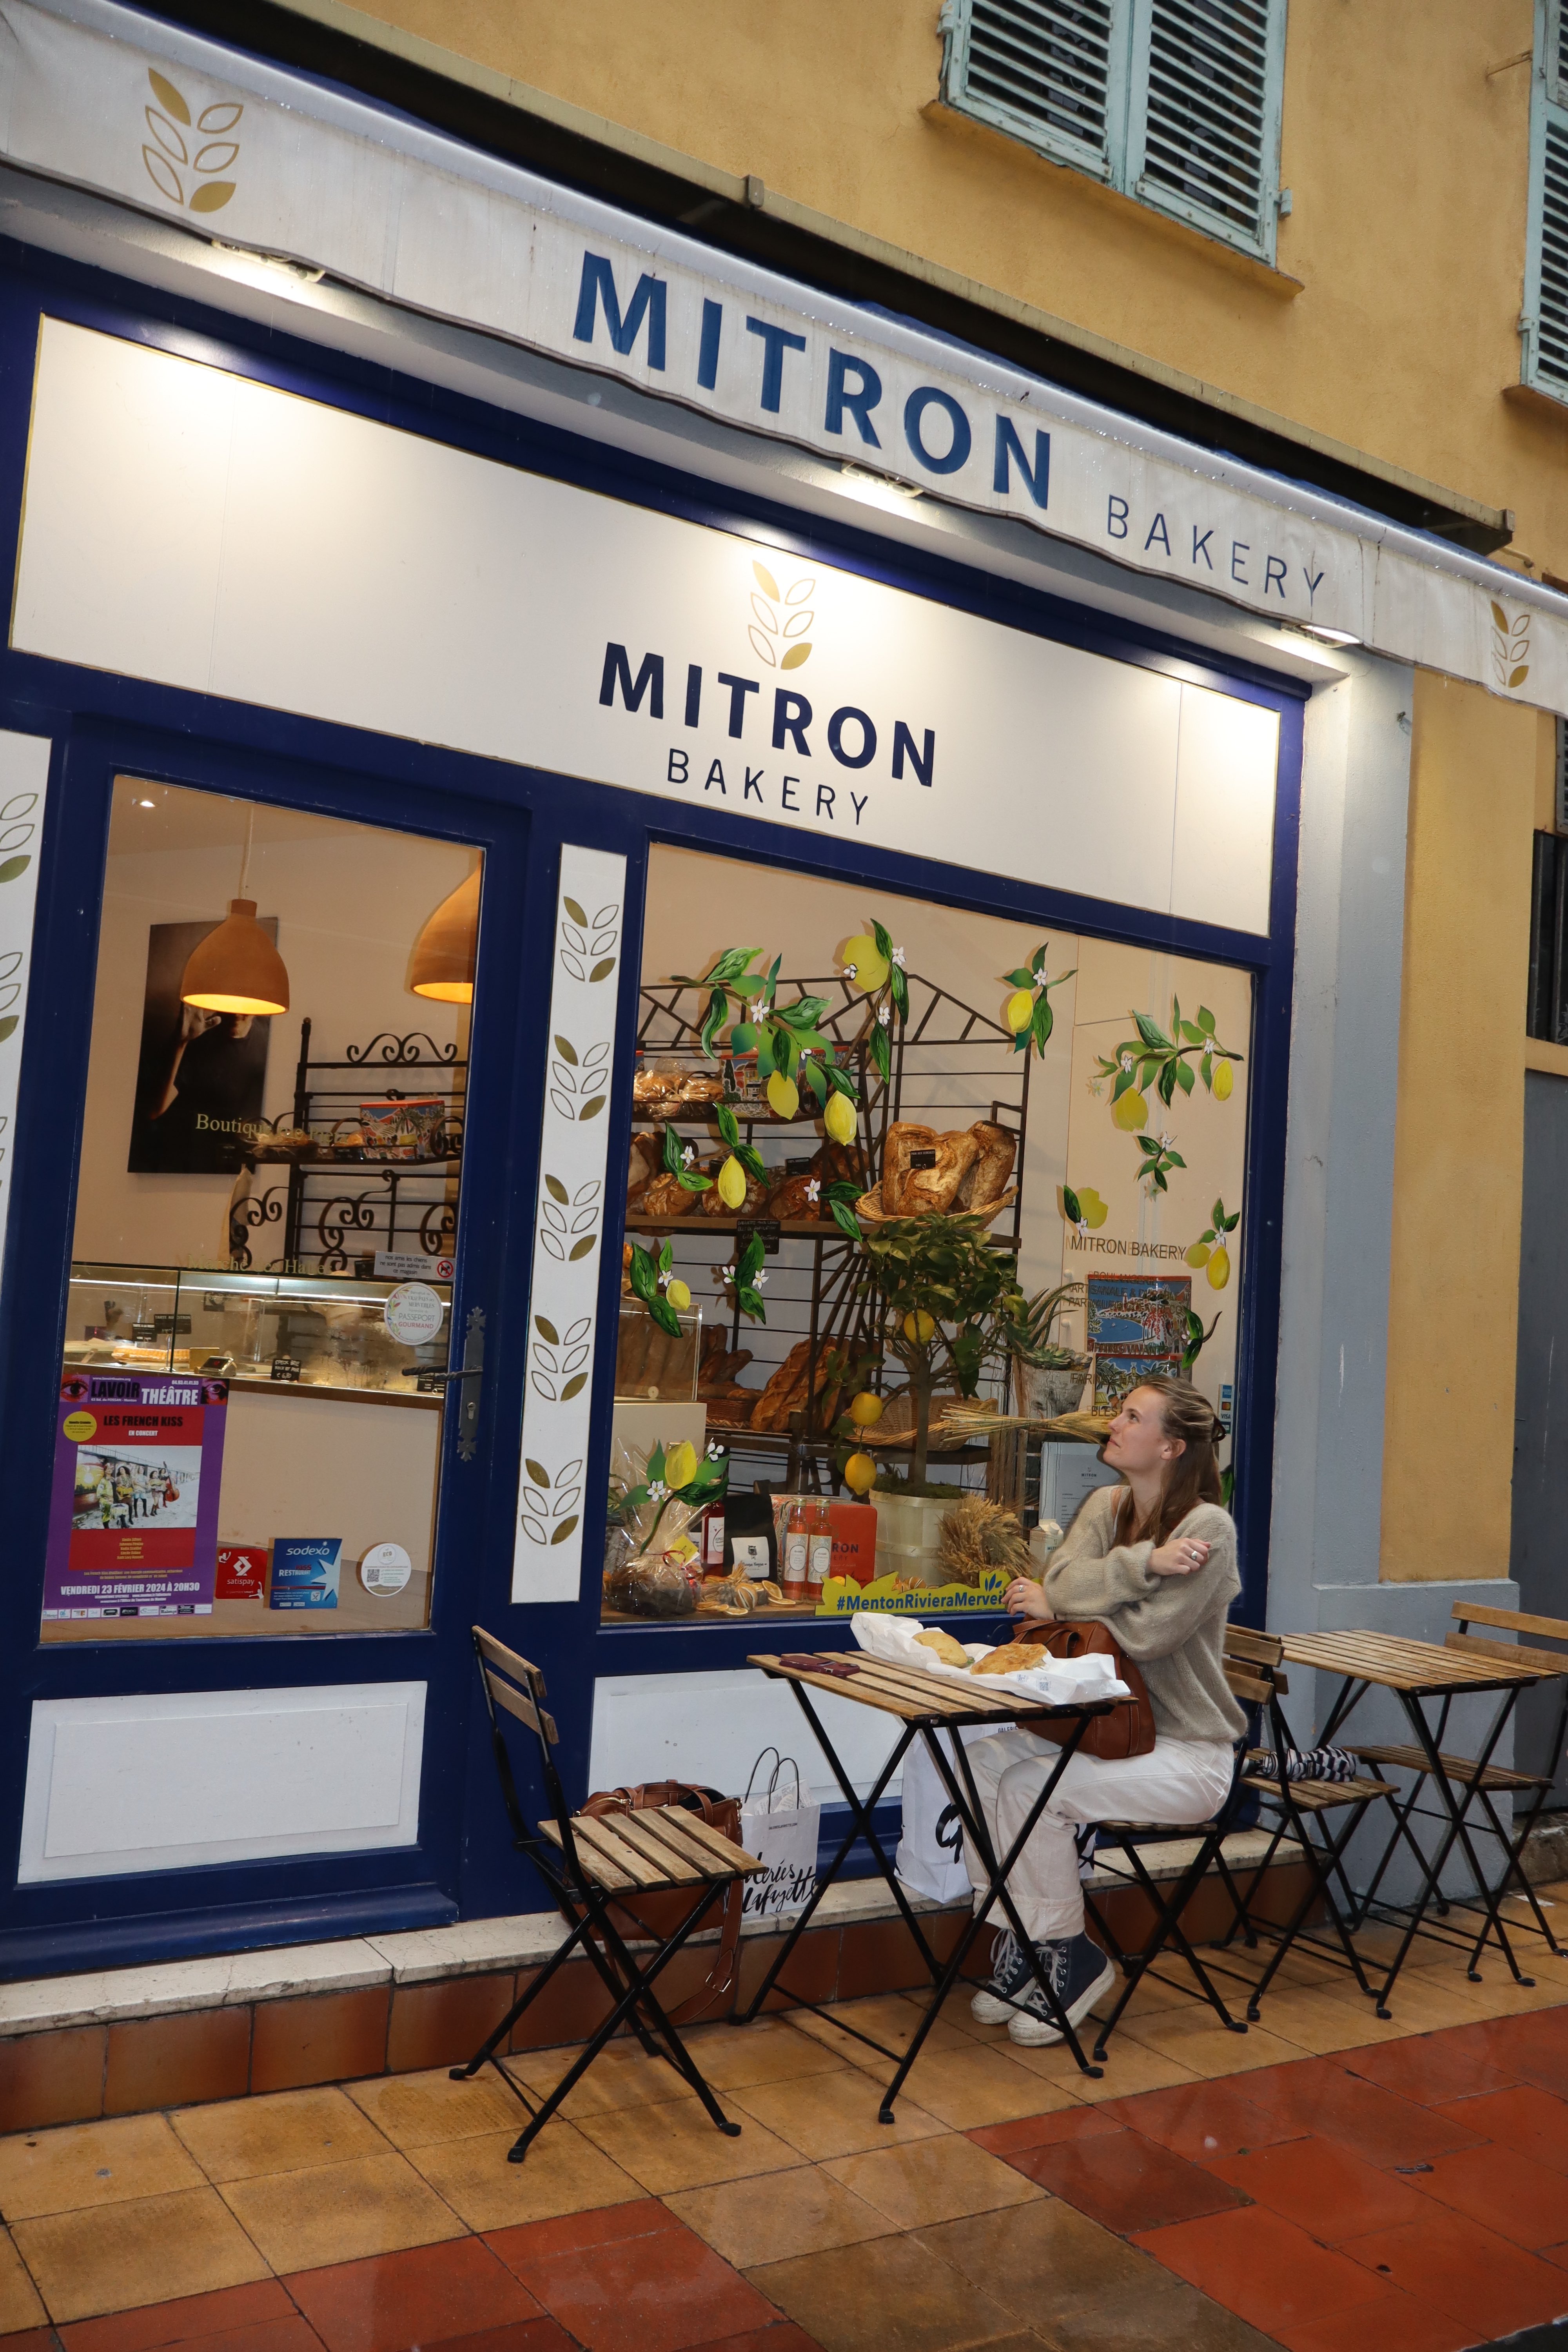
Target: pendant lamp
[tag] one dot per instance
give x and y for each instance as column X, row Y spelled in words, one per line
column 237, row 969
column 442, row 965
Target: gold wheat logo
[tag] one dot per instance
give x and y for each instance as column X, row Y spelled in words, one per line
column 180, row 147
column 778, row 633
column 1511, row 647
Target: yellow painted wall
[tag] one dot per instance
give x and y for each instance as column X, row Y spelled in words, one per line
column 1459, row 1139
column 1405, row 154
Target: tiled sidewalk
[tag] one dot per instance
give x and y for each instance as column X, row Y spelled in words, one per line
column 1323, row 2183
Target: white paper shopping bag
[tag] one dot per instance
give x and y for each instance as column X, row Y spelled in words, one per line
column 781, row 1829
column 930, row 1857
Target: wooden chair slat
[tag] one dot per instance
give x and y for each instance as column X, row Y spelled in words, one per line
column 1245, row 1687
column 678, row 1869
column 688, row 1825
column 602, row 1871
column 508, row 1661
column 1514, row 1621
column 516, row 1703
column 1457, row 1767
column 1262, row 1649
column 1513, row 1654
column 1321, row 1796
column 667, row 1823
column 601, row 1837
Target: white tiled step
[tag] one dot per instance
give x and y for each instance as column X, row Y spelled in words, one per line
column 473, row 1948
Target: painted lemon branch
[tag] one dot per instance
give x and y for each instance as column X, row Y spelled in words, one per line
column 1153, row 1058
column 1029, row 1013
column 1209, row 1250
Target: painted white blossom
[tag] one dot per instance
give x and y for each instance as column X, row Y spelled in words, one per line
column 813, row 1190
column 883, row 1015
column 715, row 1451
column 658, row 1491
column 851, row 971
column 899, row 958
column 758, row 1280
column 688, row 1155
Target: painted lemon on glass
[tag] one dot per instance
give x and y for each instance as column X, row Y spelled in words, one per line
column 870, row 964
column 784, row 1096
column 678, row 1296
column 732, row 1182
column 1131, row 1111
column 838, row 1118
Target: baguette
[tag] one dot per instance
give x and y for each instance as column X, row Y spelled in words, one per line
column 904, row 1136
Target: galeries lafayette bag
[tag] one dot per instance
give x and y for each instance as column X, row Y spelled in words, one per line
column 661, row 1915
column 1129, row 1728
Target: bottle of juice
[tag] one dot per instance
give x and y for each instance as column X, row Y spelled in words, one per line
column 819, row 1549
column 797, row 1548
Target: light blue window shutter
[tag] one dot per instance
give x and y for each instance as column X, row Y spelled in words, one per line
column 1544, row 321
column 1204, row 115
column 1050, row 72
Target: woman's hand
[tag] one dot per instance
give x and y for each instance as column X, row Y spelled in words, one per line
column 1025, row 1597
column 1183, row 1556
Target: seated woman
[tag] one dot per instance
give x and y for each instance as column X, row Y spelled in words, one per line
column 1154, row 1559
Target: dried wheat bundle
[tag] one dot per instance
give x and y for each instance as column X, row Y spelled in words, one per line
column 976, row 1536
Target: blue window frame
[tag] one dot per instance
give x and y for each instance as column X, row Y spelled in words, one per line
column 1175, row 103
column 103, row 724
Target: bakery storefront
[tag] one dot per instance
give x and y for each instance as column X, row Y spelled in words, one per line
column 517, row 950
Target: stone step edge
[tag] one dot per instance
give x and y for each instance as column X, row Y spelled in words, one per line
column 427, row 1955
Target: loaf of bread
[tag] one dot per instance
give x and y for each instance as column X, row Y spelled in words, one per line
column 793, row 1198
column 786, row 1392
column 666, row 1198
column 950, row 1653
column 904, row 1136
column 986, row 1179
column 646, row 1154
column 1012, row 1658
column 934, row 1189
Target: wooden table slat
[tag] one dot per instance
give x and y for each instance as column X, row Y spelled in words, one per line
column 932, row 1694
column 837, row 1688
column 1400, row 1664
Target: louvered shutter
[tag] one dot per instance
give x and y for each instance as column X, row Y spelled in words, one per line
column 1545, row 319
column 1174, row 101
column 1050, row 71
column 1204, row 138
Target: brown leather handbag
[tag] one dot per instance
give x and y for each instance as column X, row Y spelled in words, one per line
column 1129, row 1729
column 660, row 1915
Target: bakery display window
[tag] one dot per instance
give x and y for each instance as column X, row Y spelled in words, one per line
column 255, row 1373
column 914, row 1195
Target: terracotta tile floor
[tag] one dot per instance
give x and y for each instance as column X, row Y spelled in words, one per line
column 1325, row 2183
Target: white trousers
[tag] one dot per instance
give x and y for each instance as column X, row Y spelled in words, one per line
column 1181, row 1780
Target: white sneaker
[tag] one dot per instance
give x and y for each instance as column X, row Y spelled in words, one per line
column 997, row 2002
column 1079, row 1973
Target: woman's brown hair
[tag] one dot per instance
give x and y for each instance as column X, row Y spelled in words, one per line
column 1194, row 1476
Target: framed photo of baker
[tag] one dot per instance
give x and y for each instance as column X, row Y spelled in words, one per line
column 201, row 1077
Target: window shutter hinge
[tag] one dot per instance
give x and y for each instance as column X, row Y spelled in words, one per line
column 1525, row 322
column 1285, row 203
column 947, row 19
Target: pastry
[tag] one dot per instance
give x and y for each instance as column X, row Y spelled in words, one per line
column 1012, row 1658
column 986, row 1182
column 928, row 1189
column 666, row 1197
column 903, row 1137
column 950, row 1652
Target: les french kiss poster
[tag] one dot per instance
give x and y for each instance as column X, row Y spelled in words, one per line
column 133, row 1509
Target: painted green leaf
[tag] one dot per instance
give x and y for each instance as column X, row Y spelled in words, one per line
column 1072, row 1207
column 1184, row 1078
column 1205, row 1021
column 1150, row 1030
column 845, row 1219
column 537, row 1471
column 556, row 1189
column 727, row 1127
column 576, row 911
column 547, row 1331
column 13, row 867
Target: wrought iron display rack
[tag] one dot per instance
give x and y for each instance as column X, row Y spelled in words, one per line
column 344, row 1204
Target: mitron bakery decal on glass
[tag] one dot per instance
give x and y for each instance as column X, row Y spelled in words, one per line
column 133, row 1509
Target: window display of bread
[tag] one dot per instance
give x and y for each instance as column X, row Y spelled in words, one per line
column 699, row 1087
column 656, row 1090
column 1012, row 1658
column 718, row 1373
column 904, row 1136
column 986, row 1180
column 786, row 1392
column 643, row 1166
column 796, row 1198
column 934, row 1189
column 666, row 1197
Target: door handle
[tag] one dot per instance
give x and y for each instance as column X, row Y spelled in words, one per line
column 471, row 1369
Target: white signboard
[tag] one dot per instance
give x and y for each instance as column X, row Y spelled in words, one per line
column 304, row 559
column 183, row 128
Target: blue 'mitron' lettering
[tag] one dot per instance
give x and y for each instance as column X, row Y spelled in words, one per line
column 598, row 285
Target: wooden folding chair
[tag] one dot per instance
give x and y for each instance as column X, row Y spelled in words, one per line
column 598, row 1871
column 1252, row 1683
column 1302, row 1813
column 1491, row 1780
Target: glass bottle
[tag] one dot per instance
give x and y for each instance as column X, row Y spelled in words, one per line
column 819, row 1548
column 797, row 1548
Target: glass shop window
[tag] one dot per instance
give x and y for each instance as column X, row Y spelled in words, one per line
column 253, row 1389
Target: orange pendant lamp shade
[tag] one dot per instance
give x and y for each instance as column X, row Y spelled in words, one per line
column 237, row 969
column 442, row 965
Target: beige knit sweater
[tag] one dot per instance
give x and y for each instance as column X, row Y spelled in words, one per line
column 1172, row 1626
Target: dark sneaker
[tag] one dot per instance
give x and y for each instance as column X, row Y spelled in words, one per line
column 1079, row 1973
column 997, row 1998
